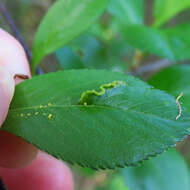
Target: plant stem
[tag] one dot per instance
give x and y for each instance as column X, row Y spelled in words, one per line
column 2, row 185
column 13, row 27
column 153, row 67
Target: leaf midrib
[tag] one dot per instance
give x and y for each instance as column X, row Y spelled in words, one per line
column 92, row 106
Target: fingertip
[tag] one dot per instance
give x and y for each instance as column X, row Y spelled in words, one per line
column 14, row 151
column 13, row 61
column 12, row 55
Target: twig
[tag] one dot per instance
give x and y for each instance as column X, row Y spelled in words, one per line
column 16, row 32
column 154, row 66
column 2, row 185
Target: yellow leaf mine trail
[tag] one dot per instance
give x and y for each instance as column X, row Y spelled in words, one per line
column 179, row 106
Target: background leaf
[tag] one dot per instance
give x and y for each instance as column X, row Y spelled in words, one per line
column 86, row 172
column 69, row 59
column 121, row 123
column 170, row 43
column 178, row 78
column 116, row 182
column 167, row 171
column 65, row 20
column 166, row 9
column 89, row 52
column 127, row 11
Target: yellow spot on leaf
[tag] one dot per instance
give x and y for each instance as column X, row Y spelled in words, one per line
column 36, row 113
column 41, row 106
column 49, row 104
column 21, row 115
column 28, row 114
column 50, row 116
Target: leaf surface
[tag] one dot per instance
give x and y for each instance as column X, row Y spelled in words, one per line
column 88, row 52
column 65, row 20
column 166, row 9
column 171, row 43
column 128, row 11
column 98, row 119
column 174, row 80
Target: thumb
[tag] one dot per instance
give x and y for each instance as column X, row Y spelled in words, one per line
column 14, row 151
column 7, row 85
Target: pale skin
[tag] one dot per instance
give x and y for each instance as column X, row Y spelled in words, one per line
column 22, row 166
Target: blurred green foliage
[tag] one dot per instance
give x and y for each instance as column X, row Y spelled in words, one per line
column 126, row 28
column 167, row 171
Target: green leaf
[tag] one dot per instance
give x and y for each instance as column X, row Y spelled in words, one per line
column 120, row 120
column 171, row 43
column 167, row 171
column 166, row 9
column 127, row 11
column 174, row 80
column 65, row 20
column 88, row 52
column 68, row 59
column 86, row 172
column 115, row 182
